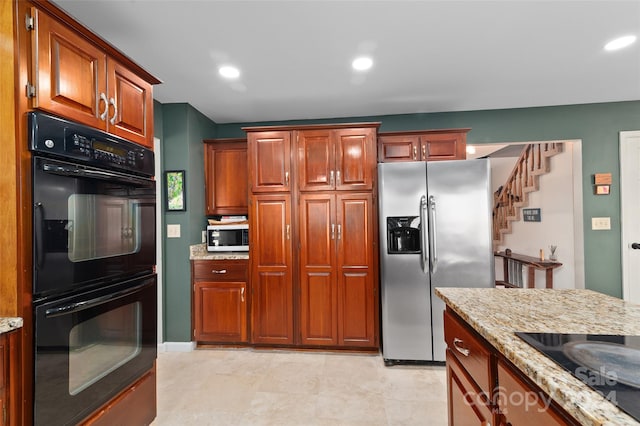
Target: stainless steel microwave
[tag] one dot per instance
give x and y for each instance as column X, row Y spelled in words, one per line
column 232, row 237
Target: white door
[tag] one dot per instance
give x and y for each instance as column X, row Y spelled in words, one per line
column 630, row 214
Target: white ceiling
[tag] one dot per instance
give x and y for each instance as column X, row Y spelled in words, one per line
column 429, row 56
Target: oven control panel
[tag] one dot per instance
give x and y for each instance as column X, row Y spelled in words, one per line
column 68, row 140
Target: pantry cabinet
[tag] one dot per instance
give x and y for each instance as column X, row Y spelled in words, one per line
column 269, row 161
column 225, row 177
column 335, row 159
column 220, row 300
column 77, row 79
column 424, row 145
column 271, row 260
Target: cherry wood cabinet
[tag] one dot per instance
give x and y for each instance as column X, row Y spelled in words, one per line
column 269, row 161
column 340, row 159
column 220, row 300
column 77, row 79
column 225, row 176
column 270, row 245
column 424, row 145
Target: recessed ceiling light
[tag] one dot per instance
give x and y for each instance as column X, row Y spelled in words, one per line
column 228, row 71
column 362, row 63
column 620, row 42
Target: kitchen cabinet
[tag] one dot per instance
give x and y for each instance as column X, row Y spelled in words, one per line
column 337, row 291
column 270, row 245
column 225, row 177
column 220, row 300
column 77, row 79
column 9, row 377
column 335, row 159
column 424, row 145
column 4, row 379
column 269, row 161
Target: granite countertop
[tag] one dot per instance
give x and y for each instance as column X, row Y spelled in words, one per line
column 199, row 252
column 496, row 313
column 8, row 324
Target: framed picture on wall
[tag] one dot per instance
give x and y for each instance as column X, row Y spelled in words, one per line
column 175, row 195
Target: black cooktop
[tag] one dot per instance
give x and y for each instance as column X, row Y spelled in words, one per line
column 608, row 364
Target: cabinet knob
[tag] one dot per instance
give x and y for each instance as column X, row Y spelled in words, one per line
column 415, row 153
column 333, row 231
column 218, row 271
column 288, row 231
column 242, row 294
column 339, row 232
column 331, row 178
column 424, row 152
column 456, row 343
column 115, row 110
column 286, row 178
column 338, row 179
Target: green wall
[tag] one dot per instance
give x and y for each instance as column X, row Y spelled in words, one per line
column 597, row 125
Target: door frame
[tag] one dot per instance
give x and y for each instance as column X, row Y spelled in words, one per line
column 627, row 139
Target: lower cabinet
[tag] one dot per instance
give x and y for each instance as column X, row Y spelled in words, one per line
column 10, row 397
column 220, row 300
column 483, row 388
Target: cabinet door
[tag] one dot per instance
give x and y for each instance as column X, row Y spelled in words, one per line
column 4, row 372
column 271, row 271
column 399, row 148
column 269, row 161
column 356, row 280
column 69, row 73
column 316, row 165
column 130, row 112
column 318, row 291
column 220, row 311
column 443, row 146
column 226, row 179
column 355, row 158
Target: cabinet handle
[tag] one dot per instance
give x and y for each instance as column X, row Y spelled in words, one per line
column 415, row 153
column 333, row 231
column 288, row 232
column 463, row 351
column 218, row 271
column 115, row 110
column 331, row 178
column 339, row 231
column 103, row 116
column 424, row 152
column 242, row 294
column 286, row 178
column 338, row 180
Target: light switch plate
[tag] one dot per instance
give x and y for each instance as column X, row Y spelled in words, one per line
column 173, row 231
column 204, row 236
column 600, row 223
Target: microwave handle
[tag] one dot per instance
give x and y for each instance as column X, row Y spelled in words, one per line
column 86, row 304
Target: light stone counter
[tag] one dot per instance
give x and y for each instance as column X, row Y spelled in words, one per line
column 199, row 252
column 496, row 313
column 8, row 324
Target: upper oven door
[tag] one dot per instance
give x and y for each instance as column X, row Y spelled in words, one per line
column 89, row 226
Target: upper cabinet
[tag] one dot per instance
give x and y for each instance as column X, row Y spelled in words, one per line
column 76, row 78
column 340, row 159
column 225, row 171
column 424, row 145
column 270, row 161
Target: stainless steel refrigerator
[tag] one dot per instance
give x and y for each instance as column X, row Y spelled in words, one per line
column 435, row 231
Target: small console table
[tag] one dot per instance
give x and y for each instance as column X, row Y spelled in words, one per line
column 512, row 266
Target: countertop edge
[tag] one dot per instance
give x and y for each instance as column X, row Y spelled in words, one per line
column 8, row 324
column 199, row 252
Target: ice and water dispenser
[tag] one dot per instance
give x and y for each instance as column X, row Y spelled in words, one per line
column 403, row 234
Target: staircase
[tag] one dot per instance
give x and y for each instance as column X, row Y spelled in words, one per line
column 513, row 195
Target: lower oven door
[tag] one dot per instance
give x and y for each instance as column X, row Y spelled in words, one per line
column 91, row 346
column 89, row 226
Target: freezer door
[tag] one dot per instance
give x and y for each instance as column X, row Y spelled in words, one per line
column 460, row 232
column 405, row 291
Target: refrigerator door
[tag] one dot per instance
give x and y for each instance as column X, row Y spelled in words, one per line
column 460, row 233
column 405, row 291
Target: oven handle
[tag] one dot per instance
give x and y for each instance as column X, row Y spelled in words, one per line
column 94, row 174
column 39, row 235
column 86, row 304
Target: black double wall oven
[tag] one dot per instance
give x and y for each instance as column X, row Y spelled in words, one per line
column 94, row 282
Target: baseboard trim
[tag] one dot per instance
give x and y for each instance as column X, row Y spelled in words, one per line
column 176, row 346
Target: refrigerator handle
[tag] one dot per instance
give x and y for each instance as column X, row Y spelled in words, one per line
column 424, row 228
column 433, row 252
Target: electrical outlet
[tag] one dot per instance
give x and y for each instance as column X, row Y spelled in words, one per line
column 173, row 231
column 600, row 223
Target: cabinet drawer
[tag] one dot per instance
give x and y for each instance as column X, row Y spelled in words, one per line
column 220, row 270
column 469, row 350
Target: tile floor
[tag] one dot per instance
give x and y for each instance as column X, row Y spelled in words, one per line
column 256, row 387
